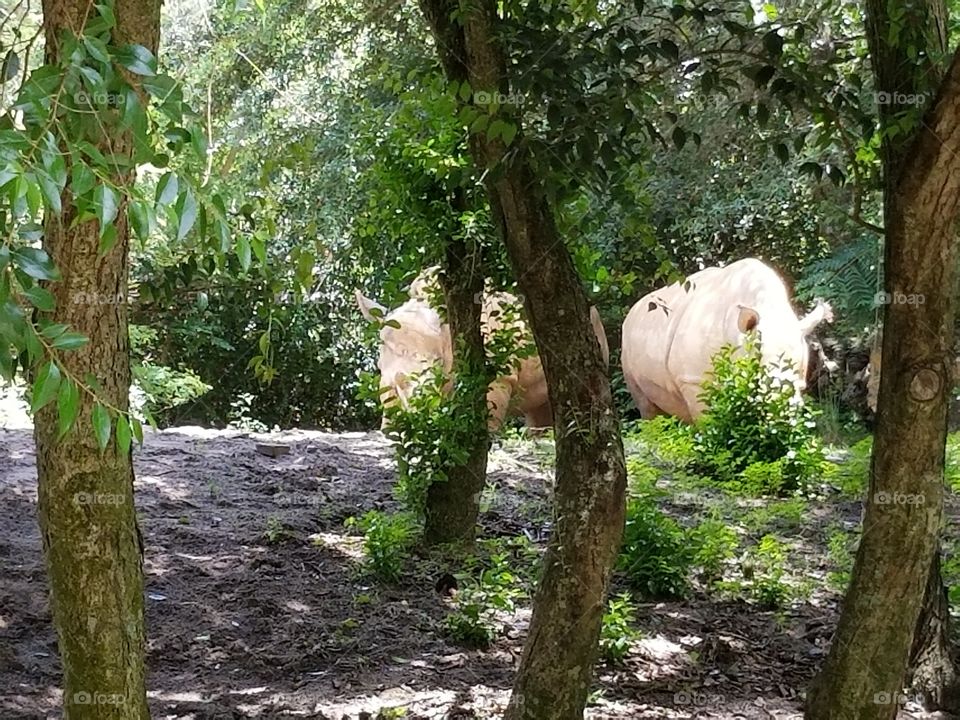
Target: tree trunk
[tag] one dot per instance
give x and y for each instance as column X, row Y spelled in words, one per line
column 91, row 540
column 933, row 674
column 864, row 672
column 556, row 669
column 453, row 505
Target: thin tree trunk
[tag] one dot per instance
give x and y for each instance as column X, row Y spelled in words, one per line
column 556, row 669
column 91, row 540
column 864, row 672
column 453, row 505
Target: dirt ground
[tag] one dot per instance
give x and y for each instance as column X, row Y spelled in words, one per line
column 248, row 623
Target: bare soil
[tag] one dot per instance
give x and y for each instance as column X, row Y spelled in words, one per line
column 258, row 606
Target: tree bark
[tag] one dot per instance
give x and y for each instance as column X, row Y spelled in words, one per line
column 864, row 672
column 453, row 505
column 91, row 541
column 933, row 672
column 555, row 672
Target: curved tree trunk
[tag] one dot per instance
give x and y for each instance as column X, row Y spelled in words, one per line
column 556, row 669
column 864, row 672
column 91, row 540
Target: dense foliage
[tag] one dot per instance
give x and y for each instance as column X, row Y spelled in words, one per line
column 755, row 432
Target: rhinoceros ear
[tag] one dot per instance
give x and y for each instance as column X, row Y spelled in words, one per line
column 371, row 309
column 747, row 319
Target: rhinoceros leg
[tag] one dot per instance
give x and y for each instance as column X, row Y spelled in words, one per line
column 498, row 402
column 646, row 407
column 539, row 417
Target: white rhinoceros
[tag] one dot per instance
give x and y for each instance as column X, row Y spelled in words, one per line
column 671, row 334
column 418, row 338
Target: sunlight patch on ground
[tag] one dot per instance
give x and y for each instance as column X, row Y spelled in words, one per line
column 351, row 547
column 14, row 413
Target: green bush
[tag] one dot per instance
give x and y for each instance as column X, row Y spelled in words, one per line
column 387, row 541
column 655, row 557
column 765, row 568
column 617, row 633
column 664, row 440
column 754, row 417
column 490, row 586
column 852, row 476
column 714, row 542
column 841, row 549
column 761, row 478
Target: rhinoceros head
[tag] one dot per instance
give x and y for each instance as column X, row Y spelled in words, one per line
column 412, row 339
column 783, row 337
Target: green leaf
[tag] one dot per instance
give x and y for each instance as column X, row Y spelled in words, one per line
column 773, row 43
column 167, row 189
column 107, row 240
column 51, row 193
column 123, row 435
column 40, row 298
column 140, row 219
column 509, row 132
column 106, row 203
column 70, row 341
column 243, row 252
column 137, row 429
column 83, row 179
column 101, row 425
column 35, row 263
column 45, row 386
column 68, row 405
column 187, row 211
column 763, row 114
column 54, row 330
column 679, row 137
column 96, row 48
column 137, row 59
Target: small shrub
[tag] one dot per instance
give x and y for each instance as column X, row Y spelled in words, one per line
column 655, row 556
column 852, row 476
column 387, row 541
column 617, row 633
column 714, row 542
column 501, row 582
column 470, row 625
column 841, row 549
column 762, row 478
column 664, row 440
column 764, row 568
column 753, row 417
column 783, row 515
column 157, row 389
column 275, row 531
column 641, row 476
